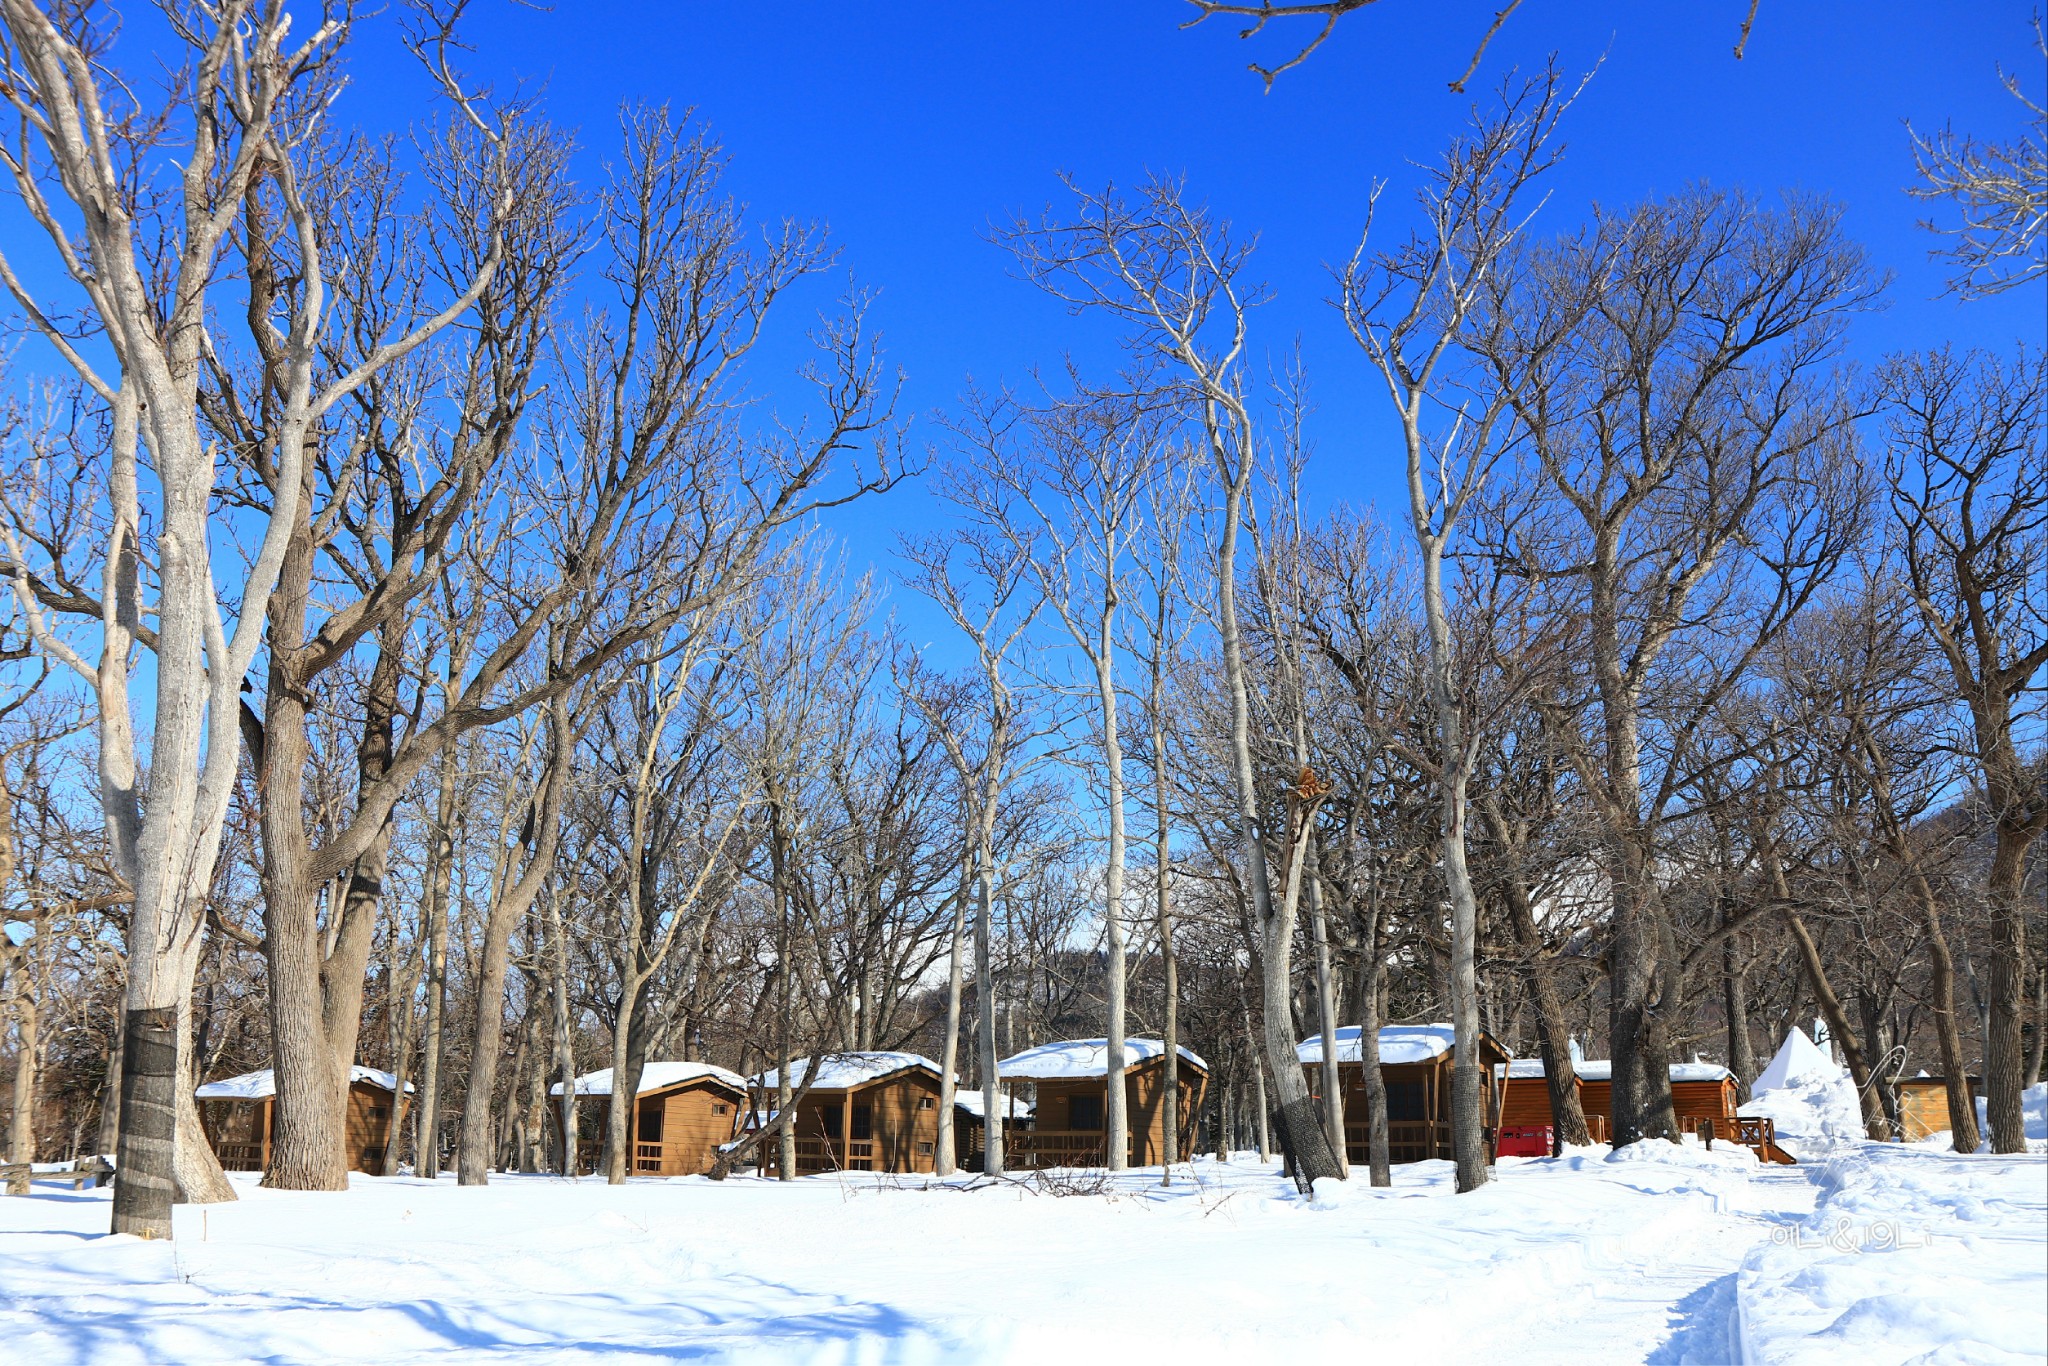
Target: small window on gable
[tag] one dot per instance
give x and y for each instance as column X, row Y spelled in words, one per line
column 924, row 1102
column 718, row 1109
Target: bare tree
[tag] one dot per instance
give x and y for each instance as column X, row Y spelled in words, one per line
column 981, row 597
column 1999, row 192
column 1171, row 277
column 1408, row 309
column 1329, row 12
column 1968, row 471
column 681, row 810
column 1669, row 370
column 147, row 263
column 1166, row 629
column 1064, row 486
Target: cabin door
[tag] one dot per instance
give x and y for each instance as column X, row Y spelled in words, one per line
column 647, row 1138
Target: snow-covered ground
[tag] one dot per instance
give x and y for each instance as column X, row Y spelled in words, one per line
column 1911, row 1255
column 1660, row 1254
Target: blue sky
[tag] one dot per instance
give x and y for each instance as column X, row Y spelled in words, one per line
column 911, row 128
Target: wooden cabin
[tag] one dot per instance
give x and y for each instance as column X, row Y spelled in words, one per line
column 1699, row 1091
column 1923, row 1106
column 970, row 1127
column 867, row 1112
column 1527, row 1126
column 238, row 1114
column 682, row 1112
column 1071, row 1107
column 1415, row 1062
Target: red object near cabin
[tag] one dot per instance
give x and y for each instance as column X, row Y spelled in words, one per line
column 1525, row 1140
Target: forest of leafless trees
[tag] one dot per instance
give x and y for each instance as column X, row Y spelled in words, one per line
column 421, row 648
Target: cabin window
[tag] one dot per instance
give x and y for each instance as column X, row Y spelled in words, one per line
column 718, row 1109
column 924, row 1102
column 1404, row 1102
column 924, row 1150
column 1084, row 1112
column 831, row 1121
column 863, row 1122
column 650, row 1124
column 380, row 1112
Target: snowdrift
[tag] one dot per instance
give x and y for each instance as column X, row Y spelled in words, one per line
column 1910, row 1255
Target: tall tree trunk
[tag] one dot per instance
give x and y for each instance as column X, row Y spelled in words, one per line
column 1326, row 1010
column 1962, row 1106
column 1169, row 967
column 1379, row 1152
column 629, row 1056
column 507, row 909
column 565, row 1039
column 992, row 1135
column 533, row 1154
column 1553, row 1035
column 21, row 1133
column 1308, row 1142
column 1735, row 1004
column 2033, row 1077
column 1117, row 1138
column 1162, row 878
column 1261, row 1108
column 945, row 1160
column 440, row 870
column 2004, row 1057
column 110, row 1094
column 398, row 1038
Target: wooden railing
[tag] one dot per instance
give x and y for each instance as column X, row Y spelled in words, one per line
column 1407, row 1141
column 647, row 1158
column 815, row 1155
column 1033, row 1148
column 1754, row 1132
column 240, row 1157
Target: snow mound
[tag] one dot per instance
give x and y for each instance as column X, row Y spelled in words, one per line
column 1082, row 1058
column 1813, row 1115
column 655, row 1076
column 1688, row 1152
column 1909, row 1256
column 257, row 1085
column 1811, row 1101
column 1797, row 1057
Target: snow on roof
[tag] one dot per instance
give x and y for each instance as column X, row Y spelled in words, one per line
column 1082, row 1058
column 1602, row 1069
column 971, row 1102
column 1398, row 1044
column 654, row 1076
column 1797, row 1057
column 257, row 1085
column 839, row 1071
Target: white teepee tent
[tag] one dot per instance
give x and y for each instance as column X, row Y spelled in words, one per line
column 1796, row 1057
